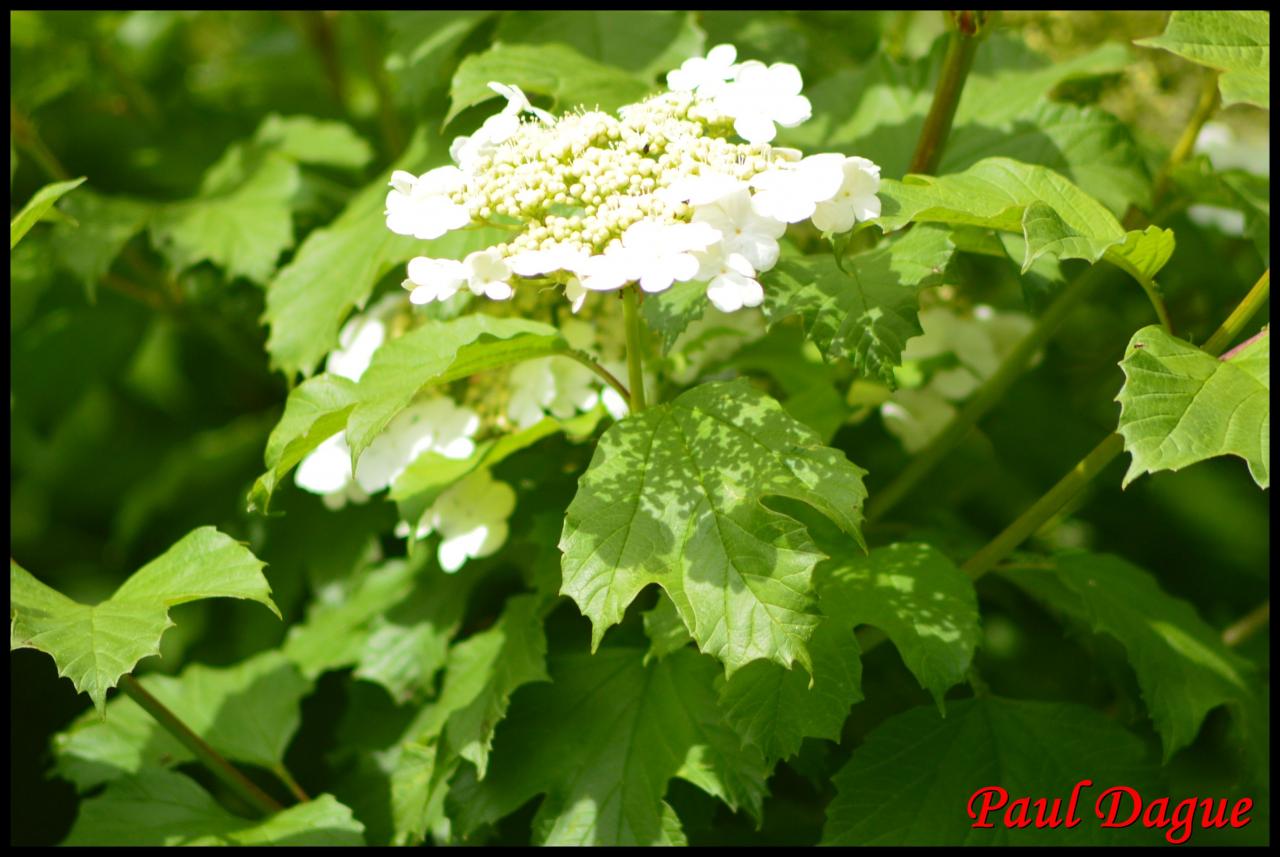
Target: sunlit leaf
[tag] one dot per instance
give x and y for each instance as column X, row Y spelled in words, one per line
column 37, row 207
column 1180, row 405
column 94, row 646
column 673, row 496
column 1236, row 43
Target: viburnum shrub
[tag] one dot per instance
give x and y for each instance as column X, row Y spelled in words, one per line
column 623, row 431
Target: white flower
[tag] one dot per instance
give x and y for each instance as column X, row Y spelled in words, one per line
column 761, row 96
column 471, row 517
column 742, row 229
column 518, row 102
column 702, row 189
column 560, row 257
column 436, row 425
column 732, row 282
column 434, row 279
column 360, row 337
column 422, row 207
column 487, row 274
column 327, row 471
column 664, row 251
column 791, row 192
column 533, row 388
column 856, row 200
column 698, row 73
column 612, row 269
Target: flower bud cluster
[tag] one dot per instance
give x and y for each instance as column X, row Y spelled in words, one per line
column 660, row 193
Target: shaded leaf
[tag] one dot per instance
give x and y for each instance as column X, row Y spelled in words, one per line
column 602, row 742
column 1183, row 667
column 775, row 708
column 104, row 225
column 643, row 42
column 918, row 597
column 867, row 311
column 912, row 778
column 248, row 712
column 159, row 807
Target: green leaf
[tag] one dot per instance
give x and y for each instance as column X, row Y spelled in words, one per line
column 557, row 71
column 105, row 226
column 1053, row 215
column 668, row 313
column 316, row 410
column 644, row 43
column 242, row 226
column 1183, row 667
column 408, row 644
column 602, row 742
column 436, row 353
column 159, row 807
column 775, row 708
column 1092, row 148
column 484, row 670
column 339, row 624
column 665, row 629
column 1180, row 405
column 890, row 99
column 247, row 712
column 422, row 45
column 94, row 646
column 314, row 141
column 869, row 310
column 418, row 486
column 673, row 496
column 37, row 207
column 911, row 779
column 1236, row 43
column 918, row 597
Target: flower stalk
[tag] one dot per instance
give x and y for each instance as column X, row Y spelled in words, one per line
column 961, row 48
column 635, row 356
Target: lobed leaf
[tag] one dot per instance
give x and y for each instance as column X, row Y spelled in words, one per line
column 159, row 807
column 94, row 646
column 673, row 496
column 602, row 741
column 1183, row 667
column 921, row 601
column 555, row 70
column 1180, row 405
column 248, row 712
column 910, row 781
column 1236, row 43
column 867, row 311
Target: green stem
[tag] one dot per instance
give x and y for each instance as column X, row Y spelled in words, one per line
column 1248, row 625
column 991, row 392
column 605, row 375
column 961, row 47
column 287, row 778
column 635, row 356
column 1092, row 464
column 209, row 757
column 1205, row 107
column 987, row 395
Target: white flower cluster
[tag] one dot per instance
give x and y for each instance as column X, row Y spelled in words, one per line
column 655, row 195
column 967, row 350
column 471, row 516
